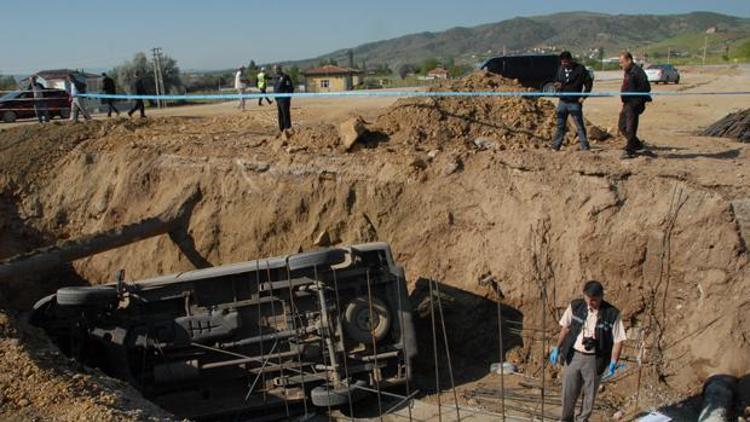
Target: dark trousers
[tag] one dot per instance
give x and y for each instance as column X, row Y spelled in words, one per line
column 628, row 125
column 138, row 105
column 260, row 100
column 284, row 106
column 111, row 107
column 40, row 109
column 575, row 109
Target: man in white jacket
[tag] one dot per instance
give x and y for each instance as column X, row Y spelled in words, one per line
column 240, row 84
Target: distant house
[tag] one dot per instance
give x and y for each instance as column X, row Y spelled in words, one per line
column 712, row 30
column 438, row 73
column 58, row 78
column 330, row 78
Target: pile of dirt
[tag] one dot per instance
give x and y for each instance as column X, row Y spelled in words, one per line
column 734, row 126
column 459, row 122
column 38, row 383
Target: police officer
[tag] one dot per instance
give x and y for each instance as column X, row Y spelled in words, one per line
column 589, row 344
column 262, row 85
column 284, row 85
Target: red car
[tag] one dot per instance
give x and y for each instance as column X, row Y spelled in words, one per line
column 20, row 105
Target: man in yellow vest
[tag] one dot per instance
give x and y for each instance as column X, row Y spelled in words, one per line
column 262, row 85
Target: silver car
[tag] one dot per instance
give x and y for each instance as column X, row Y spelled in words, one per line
column 663, row 73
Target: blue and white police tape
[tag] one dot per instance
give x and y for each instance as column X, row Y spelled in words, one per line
column 432, row 94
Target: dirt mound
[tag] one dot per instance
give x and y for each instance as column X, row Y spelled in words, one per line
column 735, row 126
column 39, row 383
column 457, row 122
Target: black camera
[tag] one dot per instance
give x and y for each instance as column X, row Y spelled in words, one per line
column 589, row 343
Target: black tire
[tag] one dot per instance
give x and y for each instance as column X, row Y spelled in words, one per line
column 677, row 81
column 357, row 320
column 324, row 257
column 97, row 296
column 9, row 117
column 325, row 396
column 65, row 113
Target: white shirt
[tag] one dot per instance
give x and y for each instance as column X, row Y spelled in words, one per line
column 589, row 328
column 238, row 84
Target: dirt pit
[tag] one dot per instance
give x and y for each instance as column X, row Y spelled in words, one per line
column 664, row 235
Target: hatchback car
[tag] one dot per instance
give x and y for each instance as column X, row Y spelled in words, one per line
column 20, row 104
column 328, row 327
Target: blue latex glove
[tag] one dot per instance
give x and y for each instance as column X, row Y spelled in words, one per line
column 611, row 370
column 553, row 355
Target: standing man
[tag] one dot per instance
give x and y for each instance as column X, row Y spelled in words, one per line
column 40, row 108
column 108, row 86
column 240, row 84
column 571, row 77
column 263, row 85
column 284, row 85
column 635, row 80
column 77, row 103
column 138, row 89
column 589, row 344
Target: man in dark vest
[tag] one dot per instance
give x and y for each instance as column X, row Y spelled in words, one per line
column 590, row 343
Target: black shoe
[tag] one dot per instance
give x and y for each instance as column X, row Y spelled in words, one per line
column 627, row 155
column 554, row 148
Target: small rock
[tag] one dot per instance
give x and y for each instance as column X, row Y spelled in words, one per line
column 22, row 403
column 451, row 167
column 433, row 154
column 419, row 163
column 618, row 415
column 485, row 143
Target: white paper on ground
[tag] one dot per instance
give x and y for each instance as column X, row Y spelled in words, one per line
column 655, row 417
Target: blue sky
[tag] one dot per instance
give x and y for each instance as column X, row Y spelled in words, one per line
column 220, row 33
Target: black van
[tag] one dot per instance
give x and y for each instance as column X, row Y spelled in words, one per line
column 532, row 71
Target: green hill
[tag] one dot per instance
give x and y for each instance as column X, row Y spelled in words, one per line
column 577, row 31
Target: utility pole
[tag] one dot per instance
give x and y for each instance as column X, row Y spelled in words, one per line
column 158, row 76
column 705, row 49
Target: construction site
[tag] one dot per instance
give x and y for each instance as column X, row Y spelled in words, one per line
column 466, row 237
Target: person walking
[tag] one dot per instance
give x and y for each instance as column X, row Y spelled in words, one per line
column 240, row 84
column 108, row 86
column 572, row 77
column 283, row 85
column 77, row 104
column 139, row 89
column 40, row 108
column 590, row 343
column 634, row 80
column 262, row 84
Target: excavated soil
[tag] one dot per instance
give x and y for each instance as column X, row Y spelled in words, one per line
column 666, row 240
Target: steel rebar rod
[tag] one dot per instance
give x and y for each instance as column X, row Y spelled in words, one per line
column 407, row 361
column 501, row 346
column 376, row 370
column 273, row 312
column 343, row 343
column 447, row 351
column 295, row 313
column 434, row 352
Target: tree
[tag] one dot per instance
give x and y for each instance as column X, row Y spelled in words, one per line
column 126, row 74
column 294, row 73
column 428, row 65
column 405, row 69
column 8, row 82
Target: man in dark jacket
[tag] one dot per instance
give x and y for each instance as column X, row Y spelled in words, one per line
column 589, row 344
column 40, row 108
column 283, row 85
column 138, row 89
column 571, row 78
column 634, row 80
column 108, row 86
